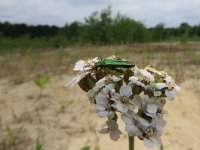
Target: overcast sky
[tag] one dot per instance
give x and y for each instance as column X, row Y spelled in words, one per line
column 58, row 12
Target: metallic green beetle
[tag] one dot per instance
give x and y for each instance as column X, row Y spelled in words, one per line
column 114, row 63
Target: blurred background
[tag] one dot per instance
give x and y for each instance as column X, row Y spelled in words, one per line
column 41, row 40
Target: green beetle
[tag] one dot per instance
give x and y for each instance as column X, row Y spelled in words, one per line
column 114, row 63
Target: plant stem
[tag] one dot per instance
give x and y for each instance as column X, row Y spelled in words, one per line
column 131, row 142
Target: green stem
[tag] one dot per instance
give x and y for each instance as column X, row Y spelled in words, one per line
column 131, row 142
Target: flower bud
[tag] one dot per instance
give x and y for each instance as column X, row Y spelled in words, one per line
column 100, row 74
column 87, row 83
column 128, row 73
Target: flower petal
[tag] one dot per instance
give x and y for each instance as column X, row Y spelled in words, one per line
column 75, row 80
column 109, row 88
column 143, row 124
column 102, row 113
column 151, row 108
column 160, row 86
column 125, row 90
column 100, row 107
column 81, row 66
column 127, row 119
column 115, row 78
column 111, row 115
column 147, row 74
column 168, row 79
column 133, row 79
column 157, row 93
column 132, row 130
column 138, row 101
column 169, row 94
column 112, row 124
column 115, row 134
column 177, row 88
column 115, row 97
column 149, row 143
column 104, row 130
column 121, row 107
column 101, row 99
column 157, row 140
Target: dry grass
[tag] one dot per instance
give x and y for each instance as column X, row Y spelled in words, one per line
column 179, row 58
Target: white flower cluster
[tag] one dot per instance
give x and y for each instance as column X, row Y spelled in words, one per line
column 139, row 95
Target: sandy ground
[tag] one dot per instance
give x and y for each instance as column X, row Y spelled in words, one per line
column 63, row 118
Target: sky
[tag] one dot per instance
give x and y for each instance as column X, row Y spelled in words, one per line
column 59, row 12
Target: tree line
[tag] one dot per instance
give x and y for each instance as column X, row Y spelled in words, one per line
column 99, row 28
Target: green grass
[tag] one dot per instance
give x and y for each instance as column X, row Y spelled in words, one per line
column 38, row 145
column 43, row 81
column 85, row 148
column 10, row 139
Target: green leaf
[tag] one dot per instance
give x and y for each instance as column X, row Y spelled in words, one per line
column 43, row 81
column 10, row 135
column 38, row 146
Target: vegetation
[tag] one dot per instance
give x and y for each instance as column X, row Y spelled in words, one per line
column 38, row 146
column 41, row 83
column 100, row 28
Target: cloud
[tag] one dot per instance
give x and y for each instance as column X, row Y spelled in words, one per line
column 151, row 12
column 87, row 2
column 6, row 3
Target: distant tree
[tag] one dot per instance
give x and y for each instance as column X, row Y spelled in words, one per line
column 127, row 30
column 101, row 27
column 184, row 29
column 158, row 32
column 98, row 27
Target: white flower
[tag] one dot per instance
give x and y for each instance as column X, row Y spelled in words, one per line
column 177, row 88
column 169, row 79
column 170, row 82
column 136, row 81
column 112, row 129
column 150, row 142
column 157, row 93
column 151, row 109
column 110, row 88
column 115, row 78
column 104, row 130
column 147, row 75
column 152, row 131
column 133, row 79
column 83, row 65
column 130, row 120
column 125, row 91
column 146, row 104
column 96, row 89
column 160, row 86
column 103, row 107
column 150, row 69
column 93, row 61
column 170, row 94
column 143, row 124
column 122, row 99
column 75, row 80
